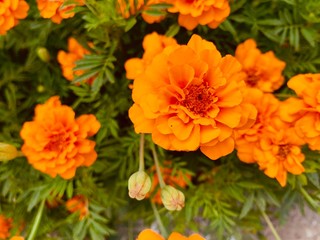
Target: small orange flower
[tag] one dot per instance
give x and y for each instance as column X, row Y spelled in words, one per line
column 68, row 60
column 153, row 44
column 10, row 13
column 139, row 5
column 271, row 142
column 189, row 97
column 307, row 87
column 55, row 142
column 57, row 10
column 263, row 70
column 5, row 226
column 203, row 12
column 149, row 234
column 176, row 179
column 78, row 203
column 17, row 238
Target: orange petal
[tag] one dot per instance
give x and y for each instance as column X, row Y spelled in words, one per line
column 219, row 150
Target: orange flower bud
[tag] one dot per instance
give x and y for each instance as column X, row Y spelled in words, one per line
column 139, row 185
column 172, row 199
column 43, row 54
column 7, row 152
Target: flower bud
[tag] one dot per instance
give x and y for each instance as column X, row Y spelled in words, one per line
column 139, row 185
column 7, row 152
column 43, row 54
column 172, row 199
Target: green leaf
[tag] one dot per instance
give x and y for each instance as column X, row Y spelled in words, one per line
column 85, row 76
column 130, row 23
column 173, row 30
column 247, row 206
column 309, row 35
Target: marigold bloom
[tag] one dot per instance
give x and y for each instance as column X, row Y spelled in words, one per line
column 189, row 97
column 139, row 5
column 271, row 142
column 195, row 12
column 10, row 13
column 17, row 238
column 149, row 234
column 263, row 70
column 78, row 203
column 5, row 226
column 176, row 179
column 55, row 142
column 57, row 10
column 68, row 60
column 307, row 87
column 153, row 44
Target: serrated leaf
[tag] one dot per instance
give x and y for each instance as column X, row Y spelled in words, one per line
column 173, row 30
column 247, row 206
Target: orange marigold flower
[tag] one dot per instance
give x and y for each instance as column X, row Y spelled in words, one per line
column 57, row 10
column 68, row 60
column 195, row 12
column 307, row 87
column 17, row 238
column 137, row 6
column 10, row 13
column 176, row 179
column 149, row 234
column 263, row 70
column 55, row 142
column 5, row 226
column 153, row 44
column 189, row 97
column 78, row 203
column 271, row 142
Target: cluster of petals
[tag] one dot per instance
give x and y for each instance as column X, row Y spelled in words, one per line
column 170, row 177
column 10, row 13
column 189, row 97
column 152, row 44
column 67, row 60
column 149, row 234
column 5, row 226
column 263, row 70
column 132, row 7
column 57, row 10
column 78, row 204
column 305, row 112
column 55, row 142
column 271, row 142
column 204, row 12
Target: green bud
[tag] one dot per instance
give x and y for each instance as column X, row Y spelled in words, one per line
column 43, row 54
column 7, row 152
column 139, row 185
column 172, row 199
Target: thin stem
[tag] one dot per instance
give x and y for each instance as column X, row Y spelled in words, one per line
column 36, row 221
column 272, row 228
column 141, row 153
column 156, row 161
column 163, row 230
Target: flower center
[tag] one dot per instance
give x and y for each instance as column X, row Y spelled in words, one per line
column 283, row 151
column 57, row 142
column 252, row 78
column 199, row 98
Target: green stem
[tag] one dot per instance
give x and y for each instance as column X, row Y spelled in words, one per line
column 163, row 230
column 36, row 221
column 156, row 161
column 272, row 228
column 141, row 153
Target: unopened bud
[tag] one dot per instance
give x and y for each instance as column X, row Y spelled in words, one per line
column 172, row 199
column 43, row 54
column 7, row 152
column 139, row 185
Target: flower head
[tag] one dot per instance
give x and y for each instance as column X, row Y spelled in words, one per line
column 55, row 142
column 17, row 238
column 263, row 70
column 68, row 60
column 5, row 226
column 78, row 203
column 307, row 87
column 10, row 13
column 57, row 10
column 149, row 234
column 195, row 12
column 189, row 97
column 153, row 44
